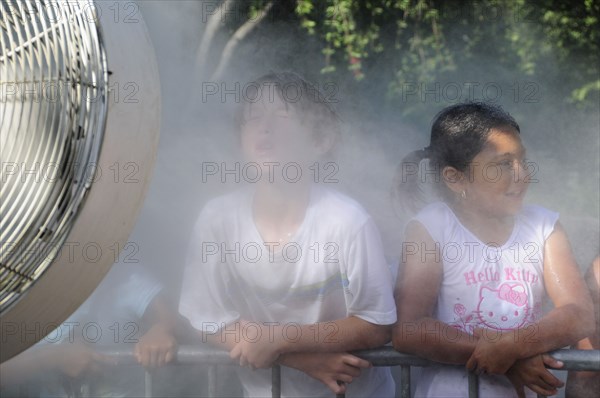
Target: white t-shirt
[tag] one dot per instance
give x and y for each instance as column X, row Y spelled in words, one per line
column 121, row 301
column 333, row 267
column 485, row 286
column 111, row 314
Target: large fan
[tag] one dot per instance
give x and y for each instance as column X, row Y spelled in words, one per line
column 79, row 122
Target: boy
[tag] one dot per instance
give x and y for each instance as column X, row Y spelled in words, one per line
column 285, row 270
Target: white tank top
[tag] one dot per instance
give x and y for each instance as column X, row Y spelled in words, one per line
column 485, row 285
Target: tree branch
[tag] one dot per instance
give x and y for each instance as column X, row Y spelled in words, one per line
column 238, row 36
column 212, row 26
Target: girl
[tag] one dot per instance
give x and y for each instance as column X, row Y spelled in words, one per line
column 477, row 263
column 287, row 270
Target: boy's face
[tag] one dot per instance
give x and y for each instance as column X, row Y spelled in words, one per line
column 273, row 131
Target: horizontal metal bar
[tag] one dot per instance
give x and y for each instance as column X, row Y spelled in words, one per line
column 383, row 356
column 388, row 356
column 572, row 359
column 186, row 355
column 578, row 359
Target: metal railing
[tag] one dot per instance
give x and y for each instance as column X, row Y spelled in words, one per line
column 588, row 360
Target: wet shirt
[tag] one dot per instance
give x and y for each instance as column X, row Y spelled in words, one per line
column 332, row 267
column 485, row 285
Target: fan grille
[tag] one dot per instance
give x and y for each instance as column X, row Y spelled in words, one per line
column 53, row 88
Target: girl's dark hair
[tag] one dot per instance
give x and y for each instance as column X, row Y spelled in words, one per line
column 459, row 132
column 314, row 108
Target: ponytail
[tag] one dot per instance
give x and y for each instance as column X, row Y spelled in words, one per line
column 411, row 191
column 458, row 133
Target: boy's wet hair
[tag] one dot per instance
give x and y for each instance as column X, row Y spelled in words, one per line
column 459, row 132
column 311, row 104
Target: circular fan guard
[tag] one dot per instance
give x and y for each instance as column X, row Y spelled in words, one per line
column 53, row 70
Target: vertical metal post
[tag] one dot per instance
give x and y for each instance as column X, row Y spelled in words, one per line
column 405, row 381
column 148, row 384
column 473, row 385
column 276, row 381
column 212, row 381
column 86, row 390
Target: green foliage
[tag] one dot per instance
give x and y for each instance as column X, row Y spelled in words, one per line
column 408, row 43
column 575, row 30
column 428, row 40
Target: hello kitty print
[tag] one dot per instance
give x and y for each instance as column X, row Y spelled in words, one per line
column 497, row 287
column 502, row 302
column 504, row 308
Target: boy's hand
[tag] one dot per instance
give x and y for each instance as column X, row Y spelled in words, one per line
column 334, row 370
column 532, row 373
column 257, row 354
column 156, row 348
column 258, row 351
column 493, row 354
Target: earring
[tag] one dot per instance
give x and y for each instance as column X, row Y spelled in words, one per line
column 463, row 194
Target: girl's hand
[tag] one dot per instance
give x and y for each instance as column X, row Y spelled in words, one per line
column 494, row 353
column 335, row 370
column 532, row 373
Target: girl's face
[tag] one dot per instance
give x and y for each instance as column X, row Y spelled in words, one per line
column 498, row 178
column 273, row 132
